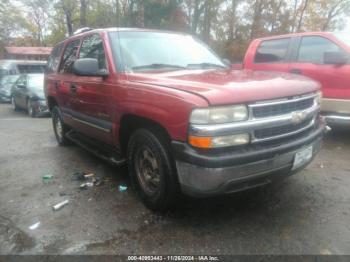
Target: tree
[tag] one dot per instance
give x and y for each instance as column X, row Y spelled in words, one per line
column 83, row 6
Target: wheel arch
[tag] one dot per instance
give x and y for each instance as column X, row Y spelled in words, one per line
column 130, row 122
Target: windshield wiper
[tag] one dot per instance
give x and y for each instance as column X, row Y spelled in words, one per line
column 157, row 66
column 206, row 65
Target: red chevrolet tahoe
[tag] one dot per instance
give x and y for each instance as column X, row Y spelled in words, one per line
column 182, row 120
column 322, row 56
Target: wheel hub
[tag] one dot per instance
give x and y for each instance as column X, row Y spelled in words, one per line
column 147, row 169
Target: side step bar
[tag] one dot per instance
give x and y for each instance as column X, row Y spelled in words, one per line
column 103, row 151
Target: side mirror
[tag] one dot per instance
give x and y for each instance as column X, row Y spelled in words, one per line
column 88, row 67
column 335, row 58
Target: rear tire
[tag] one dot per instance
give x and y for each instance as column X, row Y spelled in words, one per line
column 152, row 169
column 59, row 127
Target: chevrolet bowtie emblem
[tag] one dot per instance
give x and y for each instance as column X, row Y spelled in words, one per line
column 298, row 117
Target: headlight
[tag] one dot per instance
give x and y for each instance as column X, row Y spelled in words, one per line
column 219, row 141
column 318, row 98
column 219, row 115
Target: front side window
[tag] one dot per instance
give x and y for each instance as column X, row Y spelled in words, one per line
column 92, row 47
column 272, row 51
column 313, row 48
column 143, row 51
column 69, row 57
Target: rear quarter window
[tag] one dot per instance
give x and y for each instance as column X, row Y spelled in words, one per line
column 272, row 51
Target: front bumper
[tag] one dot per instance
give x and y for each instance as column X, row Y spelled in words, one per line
column 212, row 173
column 336, row 111
column 40, row 107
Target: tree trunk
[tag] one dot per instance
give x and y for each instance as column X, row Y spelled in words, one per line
column 83, row 13
column 256, row 19
column 302, row 15
column 232, row 20
column 295, row 11
column 117, row 12
column 207, row 20
column 196, row 15
column 68, row 15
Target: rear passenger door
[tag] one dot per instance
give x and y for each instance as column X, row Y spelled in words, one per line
column 51, row 81
column 273, row 55
column 66, row 86
column 309, row 61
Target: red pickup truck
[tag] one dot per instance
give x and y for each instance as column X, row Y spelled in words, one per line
column 182, row 120
column 322, row 56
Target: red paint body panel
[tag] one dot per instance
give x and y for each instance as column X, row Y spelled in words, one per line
column 334, row 79
column 167, row 98
column 226, row 87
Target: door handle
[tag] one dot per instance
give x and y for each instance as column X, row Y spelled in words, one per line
column 56, row 85
column 73, row 88
column 296, row 71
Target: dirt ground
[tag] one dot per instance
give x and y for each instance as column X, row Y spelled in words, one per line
column 308, row 213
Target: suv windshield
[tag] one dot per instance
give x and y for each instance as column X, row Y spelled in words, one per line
column 344, row 37
column 140, row 51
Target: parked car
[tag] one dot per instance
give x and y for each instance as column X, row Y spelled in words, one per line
column 16, row 67
column 182, row 120
column 6, row 84
column 28, row 93
column 324, row 57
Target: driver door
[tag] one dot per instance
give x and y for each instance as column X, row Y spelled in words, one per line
column 335, row 79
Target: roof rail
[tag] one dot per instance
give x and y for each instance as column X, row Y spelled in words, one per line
column 82, row 30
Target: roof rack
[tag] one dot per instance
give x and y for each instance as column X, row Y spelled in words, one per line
column 82, row 30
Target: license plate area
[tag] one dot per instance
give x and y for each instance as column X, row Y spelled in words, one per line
column 302, row 157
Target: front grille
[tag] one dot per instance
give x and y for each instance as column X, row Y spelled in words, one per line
column 280, row 130
column 281, row 108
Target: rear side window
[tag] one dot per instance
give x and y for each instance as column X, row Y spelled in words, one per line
column 92, row 47
column 272, row 51
column 31, row 69
column 69, row 57
column 54, row 59
column 313, row 48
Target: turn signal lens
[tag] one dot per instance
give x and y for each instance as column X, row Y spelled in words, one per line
column 201, row 142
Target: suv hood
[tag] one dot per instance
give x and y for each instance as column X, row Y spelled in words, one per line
column 219, row 87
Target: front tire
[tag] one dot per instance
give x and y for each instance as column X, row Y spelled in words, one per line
column 152, row 169
column 59, row 127
column 14, row 105
column 30, row 109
